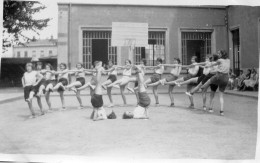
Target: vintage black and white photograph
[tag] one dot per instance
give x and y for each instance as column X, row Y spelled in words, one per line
column 119, row 79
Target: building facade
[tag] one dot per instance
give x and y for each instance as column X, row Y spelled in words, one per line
column 46, row 48
column 84, row 33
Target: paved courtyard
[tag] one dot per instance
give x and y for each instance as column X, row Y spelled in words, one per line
column 169, row 133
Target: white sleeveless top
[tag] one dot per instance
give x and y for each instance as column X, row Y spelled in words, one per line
column 30, row 78
column 206, row 70
column 176, row 71
column 65, row 75
column 192, row 70
column 114, row 72
column 127, row 72
column 80, row 74
column 224, row 66
column 159, row 70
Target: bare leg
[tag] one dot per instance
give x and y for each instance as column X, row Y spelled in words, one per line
column 115, row 83
column 122, row 88
column 110, row 96
column 204, row 98
column 189, row 87
column 137, row 96
column 170, row 94
column 212, row 94
column 39, row 101
column 154, row 84
column 62, row 99
column 192, row 80
column 155, row 94
column 88, row 84
column 74, row 84
column 79, row 99
column 57, row 86
column 221, row 99
column 196, row 88
column 42, row 87
column 47, row 97
column 31, row 108
column 175, row 81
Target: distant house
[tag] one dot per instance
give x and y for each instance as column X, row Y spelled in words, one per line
column 42, row 49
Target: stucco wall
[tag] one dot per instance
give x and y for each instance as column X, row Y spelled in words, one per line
column 246, row 19
column 37, row 51
column 171, row 18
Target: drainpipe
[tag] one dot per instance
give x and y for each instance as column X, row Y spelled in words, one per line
column 227, row 28
column 69, row 40
column 69, row 34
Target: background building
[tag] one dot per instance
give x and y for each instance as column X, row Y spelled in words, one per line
column 13, row 67
column 84, row 33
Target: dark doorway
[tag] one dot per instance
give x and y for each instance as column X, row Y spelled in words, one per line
column 236, row 51
column 195, row 48
column 100, row 50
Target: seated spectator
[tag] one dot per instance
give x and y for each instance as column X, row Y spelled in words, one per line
column 252, row 81
column 238, row 82
column 232, row 77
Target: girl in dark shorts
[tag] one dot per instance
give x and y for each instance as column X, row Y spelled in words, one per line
column 29, row 81
column 63, row 76
column 112, row 77
column 80, row 81
column 221, row 78
column 202, row 80
column 50, row 82
column 174, row 74
column 93, row 81
column 158, row 71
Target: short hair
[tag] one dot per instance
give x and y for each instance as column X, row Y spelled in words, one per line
column 177, row 59
column 144, row 61
column 96, row 62
column 110, row 61
column 79, row 64
column 126, row 116
column 64, row 64
column 159, row 60
column 29, row 64
column 48, row 64
column 128, row 61
column 215, row 57
column 224, row 54
column 195, row 58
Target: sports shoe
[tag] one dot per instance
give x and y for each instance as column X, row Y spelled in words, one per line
column 116, row 86
column 63, row 108
column 221, row 113
column 188, row 93
column 32, row 116
column 172, row 105
column 80, row 107
column 130, row 89
column 211, row 110
column 92, row 86
column 110, row 105
column 191, row 107
column 74, row 90
column 162, row 82
column 204, row 108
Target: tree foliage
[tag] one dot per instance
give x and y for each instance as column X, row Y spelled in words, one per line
column 18, row 17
